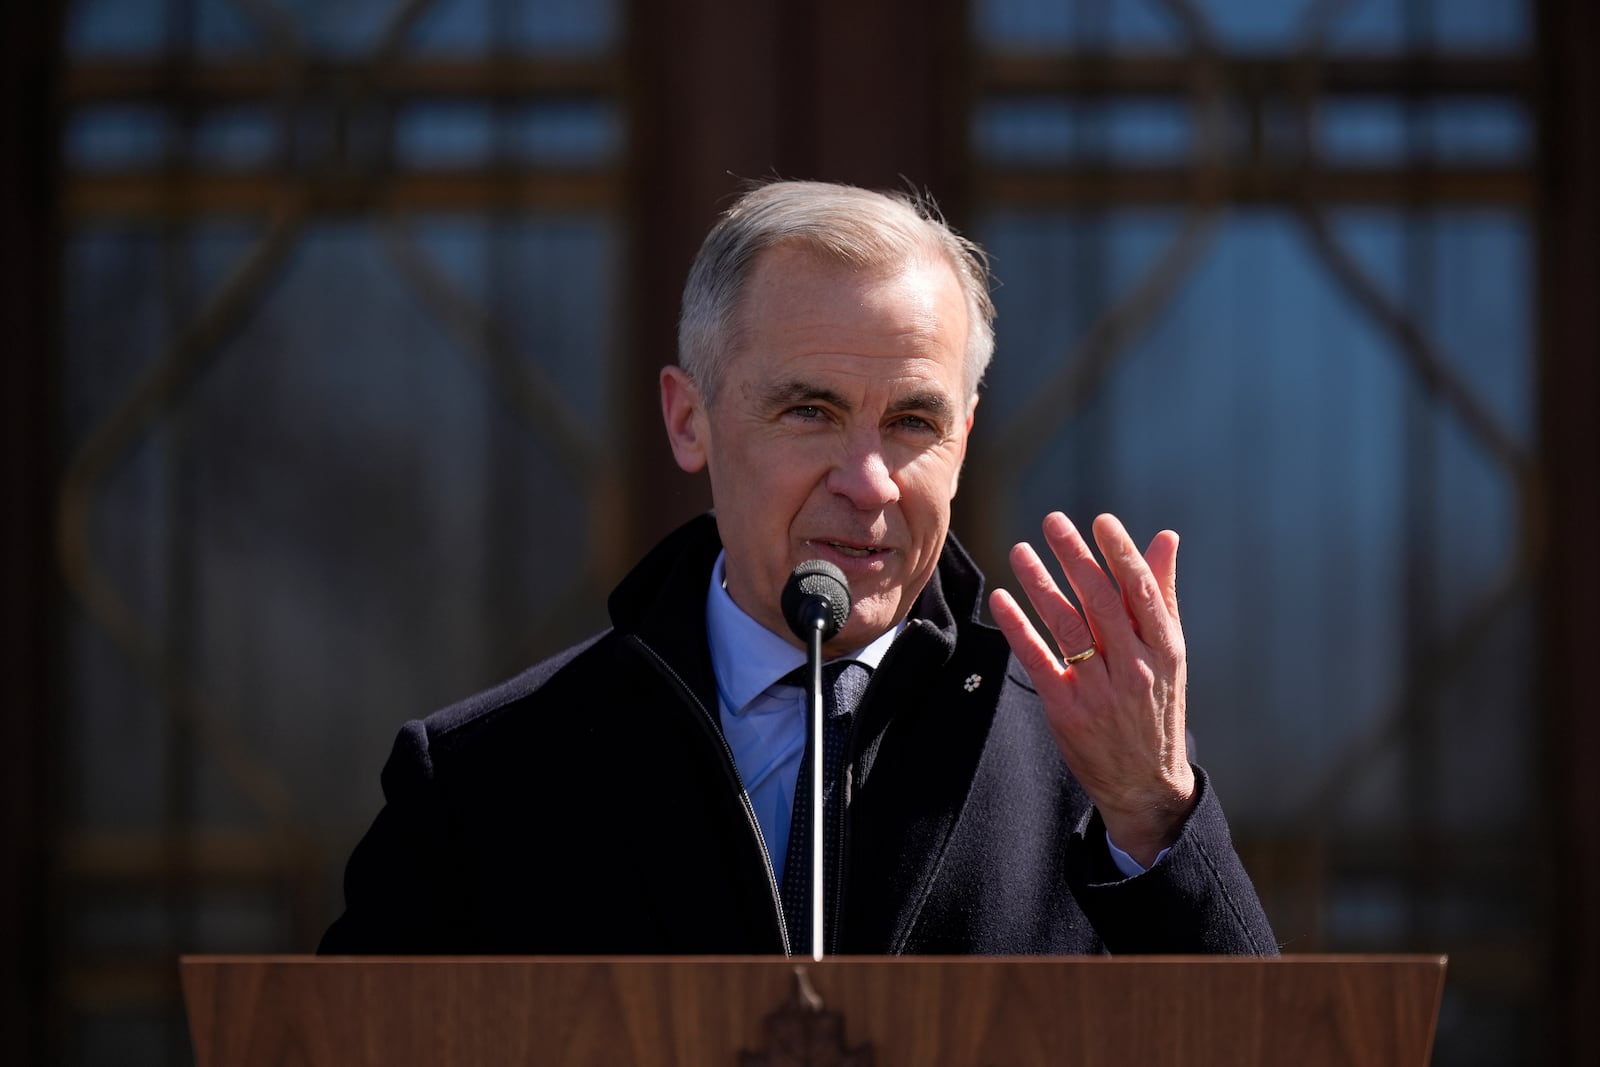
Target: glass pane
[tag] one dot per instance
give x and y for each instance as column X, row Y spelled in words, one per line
column 1369, row 132
column 242, row 138
column 329, row 533
column 548, row 282
column 444, row 135
column 223, row 26
column 1054, row 132
column 1256, row 25
column 1253, row 25
column 573, row 26
column 1478, row 314
column 1258, row 346
column 348, row 27
column 570, row 133
column 1483, row 316
column 1027, row 25
column 115, row 27
column 1453, row 25
column 117, row 137
column 351, row 514
column 577, row 133
column 1486, row 130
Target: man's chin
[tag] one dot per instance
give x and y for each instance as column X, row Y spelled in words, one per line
column 869, row 620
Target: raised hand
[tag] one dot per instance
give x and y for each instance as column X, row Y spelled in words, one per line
column 1116, row 709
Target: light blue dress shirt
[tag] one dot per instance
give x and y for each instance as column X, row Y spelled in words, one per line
column 764, row 721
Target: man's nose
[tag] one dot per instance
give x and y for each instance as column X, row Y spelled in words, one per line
column 862, row 474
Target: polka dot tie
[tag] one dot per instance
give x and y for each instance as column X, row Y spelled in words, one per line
column 842, row 685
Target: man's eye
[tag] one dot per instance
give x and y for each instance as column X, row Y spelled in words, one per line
column 916, row 424
column 807, row 411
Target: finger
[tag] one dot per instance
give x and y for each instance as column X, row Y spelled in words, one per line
column 1036, row 657
column 1145, row 600
column 1162, row 556
column 1071, row 633
column 1101, row 601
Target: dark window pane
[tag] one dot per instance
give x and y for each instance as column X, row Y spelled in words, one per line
column 117, row 137
column 1024, row 25
column 115, row 27
column 330, row 531
column 1053, row 132
column 1268, row 418
column 445, row 135
column 1252, row 25
column 1255, row 25
column 574, row 133
column 1455, row 25
column 223, row 27
column 346, row 28
column 236, row 139
column 572, row 26
column 1389, row 133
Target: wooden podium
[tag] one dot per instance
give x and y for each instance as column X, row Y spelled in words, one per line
column 1352, row 1011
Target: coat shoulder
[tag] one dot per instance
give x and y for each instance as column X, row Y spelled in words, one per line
column 482, row 716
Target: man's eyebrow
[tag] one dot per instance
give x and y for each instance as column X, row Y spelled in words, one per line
column 797, row 391
column 931, row 402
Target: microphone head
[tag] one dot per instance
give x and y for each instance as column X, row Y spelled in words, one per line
column 816, row 579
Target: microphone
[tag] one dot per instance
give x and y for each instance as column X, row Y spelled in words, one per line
column 816, row 598
column 816, row 603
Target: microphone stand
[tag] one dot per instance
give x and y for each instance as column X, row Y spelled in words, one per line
column 814, row 713
column 816, row 605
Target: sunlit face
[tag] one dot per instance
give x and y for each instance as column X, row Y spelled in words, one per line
column 837, row 433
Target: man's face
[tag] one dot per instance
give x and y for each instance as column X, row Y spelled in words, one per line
column 837, row 433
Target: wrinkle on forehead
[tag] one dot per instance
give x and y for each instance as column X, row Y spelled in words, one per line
column 881, row 297
column 813, row 327
column 769, row 282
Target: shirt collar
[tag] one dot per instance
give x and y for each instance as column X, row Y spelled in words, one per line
column 748, row 658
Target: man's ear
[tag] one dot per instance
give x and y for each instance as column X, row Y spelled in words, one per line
column 684, row 413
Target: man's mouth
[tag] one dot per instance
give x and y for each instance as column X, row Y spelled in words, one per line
column 853, row 551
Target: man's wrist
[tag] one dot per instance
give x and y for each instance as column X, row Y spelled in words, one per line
column 1130, row 867
column 1143, row 836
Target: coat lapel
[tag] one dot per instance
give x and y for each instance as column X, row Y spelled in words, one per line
column 924, row 723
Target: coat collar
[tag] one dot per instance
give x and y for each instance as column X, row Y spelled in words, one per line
column 662, row 602
column 906, row 806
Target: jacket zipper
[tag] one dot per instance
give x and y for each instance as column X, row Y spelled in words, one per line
column 732, row 769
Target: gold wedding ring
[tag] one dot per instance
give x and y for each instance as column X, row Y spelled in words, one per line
column 1088, row 653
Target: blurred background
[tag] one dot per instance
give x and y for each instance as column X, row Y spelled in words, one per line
column 331, row 338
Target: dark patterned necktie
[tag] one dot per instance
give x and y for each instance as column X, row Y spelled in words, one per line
column 842, row 686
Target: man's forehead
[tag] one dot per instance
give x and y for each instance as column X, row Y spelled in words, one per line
column 919, row 301
column 777, row 265
column 806, row 317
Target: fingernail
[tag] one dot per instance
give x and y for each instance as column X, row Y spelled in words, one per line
column 1062, row 526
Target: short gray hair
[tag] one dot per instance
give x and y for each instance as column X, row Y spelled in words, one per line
column 853, row 226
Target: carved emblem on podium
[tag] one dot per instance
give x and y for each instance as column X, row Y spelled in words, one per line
column 803, row 1033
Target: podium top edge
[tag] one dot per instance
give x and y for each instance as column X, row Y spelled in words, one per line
column 1320, row 959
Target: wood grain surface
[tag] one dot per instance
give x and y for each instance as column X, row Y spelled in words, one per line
column 662, row 1012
